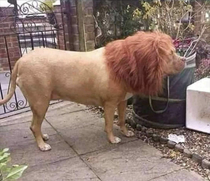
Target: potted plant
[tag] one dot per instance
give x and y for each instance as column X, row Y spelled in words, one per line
column 168, row 109
column 174, row 17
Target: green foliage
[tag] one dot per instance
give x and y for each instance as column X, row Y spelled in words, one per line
column 47, row 5
column 119, row 19
column 9, row 173
column 130, row 22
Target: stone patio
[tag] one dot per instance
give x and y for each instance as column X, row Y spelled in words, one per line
column 81, row 152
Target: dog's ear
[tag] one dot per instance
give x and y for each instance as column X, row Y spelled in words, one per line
column 151, row 55
column 152, row 72
column 157, row 58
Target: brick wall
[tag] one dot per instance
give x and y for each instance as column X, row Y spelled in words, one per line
column 67, row 17
column 88, row 21
column 9, row 46
column 73, row 25
column 60, row 33
column 71, row 28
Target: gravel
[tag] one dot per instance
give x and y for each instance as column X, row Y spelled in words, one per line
column 149, row 133
column 156, row 137
column 206, row 164
column 196, row 148
column 163, row 140
column 196, row 158
column 171, row 144
column 138, row 127
column 187, row 153
column 179, row 148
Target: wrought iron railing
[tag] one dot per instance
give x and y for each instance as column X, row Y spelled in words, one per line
column 31, row 24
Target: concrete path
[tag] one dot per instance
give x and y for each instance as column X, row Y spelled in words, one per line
column 81, row 152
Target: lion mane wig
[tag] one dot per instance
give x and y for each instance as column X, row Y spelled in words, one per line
column 138, row 61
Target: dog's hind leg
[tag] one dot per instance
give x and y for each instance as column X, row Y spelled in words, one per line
column 121, row 113
column 109, row 110
column 39, row 102
column 39, row 109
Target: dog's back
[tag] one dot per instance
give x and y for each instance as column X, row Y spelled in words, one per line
column 77, row 76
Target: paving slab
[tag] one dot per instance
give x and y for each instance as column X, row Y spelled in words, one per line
column 134, row 161
column 23, row 117
column 64, row 107
column 16, row 134
column 72, row 120
column 84, row 131
column 29, row 154
column 67, row 170
column 180, row 175
column 15, row 129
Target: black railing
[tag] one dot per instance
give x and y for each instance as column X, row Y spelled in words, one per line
column 31, row 24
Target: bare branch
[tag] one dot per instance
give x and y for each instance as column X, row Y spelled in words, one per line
column 201, row 34
column 180, row 23
column 198, row 3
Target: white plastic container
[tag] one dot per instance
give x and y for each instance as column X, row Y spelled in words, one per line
column 198, row 106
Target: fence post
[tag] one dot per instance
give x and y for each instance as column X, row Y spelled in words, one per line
column 68, row 13
column 81, row 28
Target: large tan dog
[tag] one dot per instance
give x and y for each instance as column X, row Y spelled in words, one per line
column 102, row 77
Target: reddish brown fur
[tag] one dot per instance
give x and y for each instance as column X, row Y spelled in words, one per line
column 138, row 60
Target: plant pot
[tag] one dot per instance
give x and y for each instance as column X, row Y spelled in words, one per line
column 167, row 110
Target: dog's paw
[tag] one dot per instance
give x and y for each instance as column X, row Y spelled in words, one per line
column 115, row 140
column 129, row 133
column 45, row 147
column 45, row 137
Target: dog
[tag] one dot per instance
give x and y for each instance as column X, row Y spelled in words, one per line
column 103, row 77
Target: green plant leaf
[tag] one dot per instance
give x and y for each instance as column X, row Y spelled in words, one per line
column 4, row 151
column 4, row 157
column 16, row 172
column 4, row 168
column 2, row 165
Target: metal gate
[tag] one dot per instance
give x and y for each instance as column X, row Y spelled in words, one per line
column 25, row 25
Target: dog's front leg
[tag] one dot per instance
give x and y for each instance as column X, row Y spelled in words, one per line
column 121, row 113
column 109, row 110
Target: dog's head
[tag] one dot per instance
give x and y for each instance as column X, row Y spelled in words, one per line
column 142, row 60
column 156, row 49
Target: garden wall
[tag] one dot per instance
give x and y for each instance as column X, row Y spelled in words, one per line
column 77, row 32
column 80, row 24
column 7, row 38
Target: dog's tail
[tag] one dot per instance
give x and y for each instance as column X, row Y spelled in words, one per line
column 12, row 85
